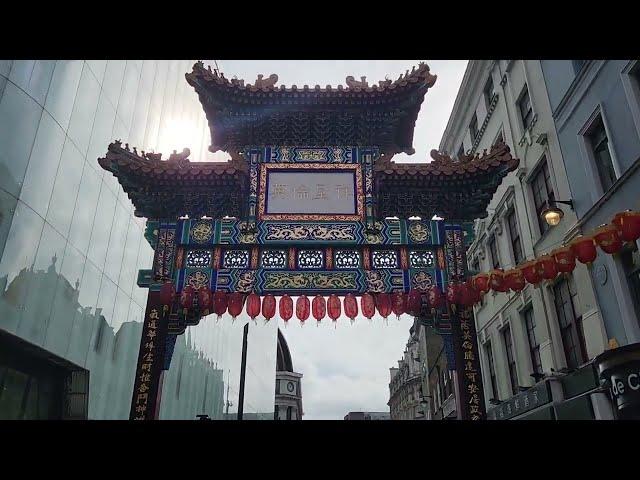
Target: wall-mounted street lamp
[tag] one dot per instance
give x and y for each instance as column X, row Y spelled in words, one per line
column 553, row 214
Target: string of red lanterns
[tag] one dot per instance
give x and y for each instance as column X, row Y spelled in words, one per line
column 609, row 238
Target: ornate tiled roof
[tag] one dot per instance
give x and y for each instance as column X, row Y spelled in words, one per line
column 454, row 189
column 360, row 114
column 176, row 186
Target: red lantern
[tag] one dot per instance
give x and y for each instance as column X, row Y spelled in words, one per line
column 220, row 302
column 319, row 307
column 285, row 307
column 436, row 298
column 253, row 305
column 496, row 281
column 350, row 306
column 453, row 293
column 514, row 279
column 368, row 305
column 167, row 294
column 530, row 272
column 268, row 307
column 473, row 295
column 547, row 267
column 565, row 259
column 302, row 308
column 584, row 249
column 236, row 302
column 205, row 301
column 414, row 302
column 186, row 298
column 608, row 238
column 383, row 304
column 333, row 307
column 398, row 303
column 628, row 223
column 481, row 283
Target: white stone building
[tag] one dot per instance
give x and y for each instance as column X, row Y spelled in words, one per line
column 524, row 337
column 405, row 385
column 288, row 402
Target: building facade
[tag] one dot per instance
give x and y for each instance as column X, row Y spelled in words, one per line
column 405, row 386
column 71, row 247
column 288, row 404
column 526, row 337
column 596, row 109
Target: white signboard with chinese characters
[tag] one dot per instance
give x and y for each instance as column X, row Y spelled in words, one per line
column 311, row 192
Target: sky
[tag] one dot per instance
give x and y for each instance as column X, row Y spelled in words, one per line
column 346, row 368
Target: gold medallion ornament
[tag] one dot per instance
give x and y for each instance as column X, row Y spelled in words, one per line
column 201, row 232
column 418, row 232
column 198, row 279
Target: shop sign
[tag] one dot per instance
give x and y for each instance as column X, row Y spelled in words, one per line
column 523, row 402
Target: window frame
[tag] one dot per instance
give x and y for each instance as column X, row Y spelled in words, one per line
column 530, row 114
column 493, row 379
column 512, row 366
column 487, row 92
column 517, row 240
column 570, row 330
column 532, row 341
column 542, row 168
column 492, row 246
column 473, row 127
column 597, row 138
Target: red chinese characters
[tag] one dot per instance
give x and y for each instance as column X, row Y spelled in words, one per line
column 350, row 306
column 565, row 259
column 285, row 307
column 319, row 307
column 302, row 308
column 334, row 308
column 268, row 307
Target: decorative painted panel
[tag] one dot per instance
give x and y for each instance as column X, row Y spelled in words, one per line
column 199, row 258
column 311, row 154
column 310, row 259
column 421, row 259
column 274, row 259
column 384, row 259
column 347, row 259
column 235, row 259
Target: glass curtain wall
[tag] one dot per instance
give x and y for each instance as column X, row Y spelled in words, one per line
column 71, row 248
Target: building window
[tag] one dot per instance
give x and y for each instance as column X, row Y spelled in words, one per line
column 602, row 156
column 526, row 110
column 276, row 414
column 476, row 266
column 499, row 139
column 511, row 361
column 289, row 409
column 473, row 127
column 493, row 250
column 488, row 91
column 516, row 244
column 631, row 264
column 461, row 152
column 492, row 371
column 565, row 299
column 543, row 195
column 534, row 346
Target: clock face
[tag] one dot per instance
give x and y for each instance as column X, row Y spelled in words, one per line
column 290, row 387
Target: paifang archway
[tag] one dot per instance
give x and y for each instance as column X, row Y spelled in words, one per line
column 310, row 204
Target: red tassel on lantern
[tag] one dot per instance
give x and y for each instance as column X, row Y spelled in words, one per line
column 268, row 307
column 496, row 281
column 302, row 308
column 608, row 239
column 383, row 304
column 350, row 307
column 547, row 267
column 414, row 302
column 333, row 307
column 285, row 308
column 565, row 259
column 398, row 303
column 530, row 272
column 167, row 294
column 220, row 302
column 319, row 307
column 514, row 279
column 236, row 302
column 584, row 249
column 205, row 301
column 628, row 223
column 253, row 305
column 368, row 305
column 186, row 298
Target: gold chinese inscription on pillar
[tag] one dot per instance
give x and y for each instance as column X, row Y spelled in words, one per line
column 471, row 379
column 148, row 360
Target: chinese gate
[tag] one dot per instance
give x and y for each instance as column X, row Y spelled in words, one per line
column 310, row 205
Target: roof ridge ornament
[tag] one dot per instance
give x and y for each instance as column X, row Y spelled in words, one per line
column 353, row 83
column 265, row 82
